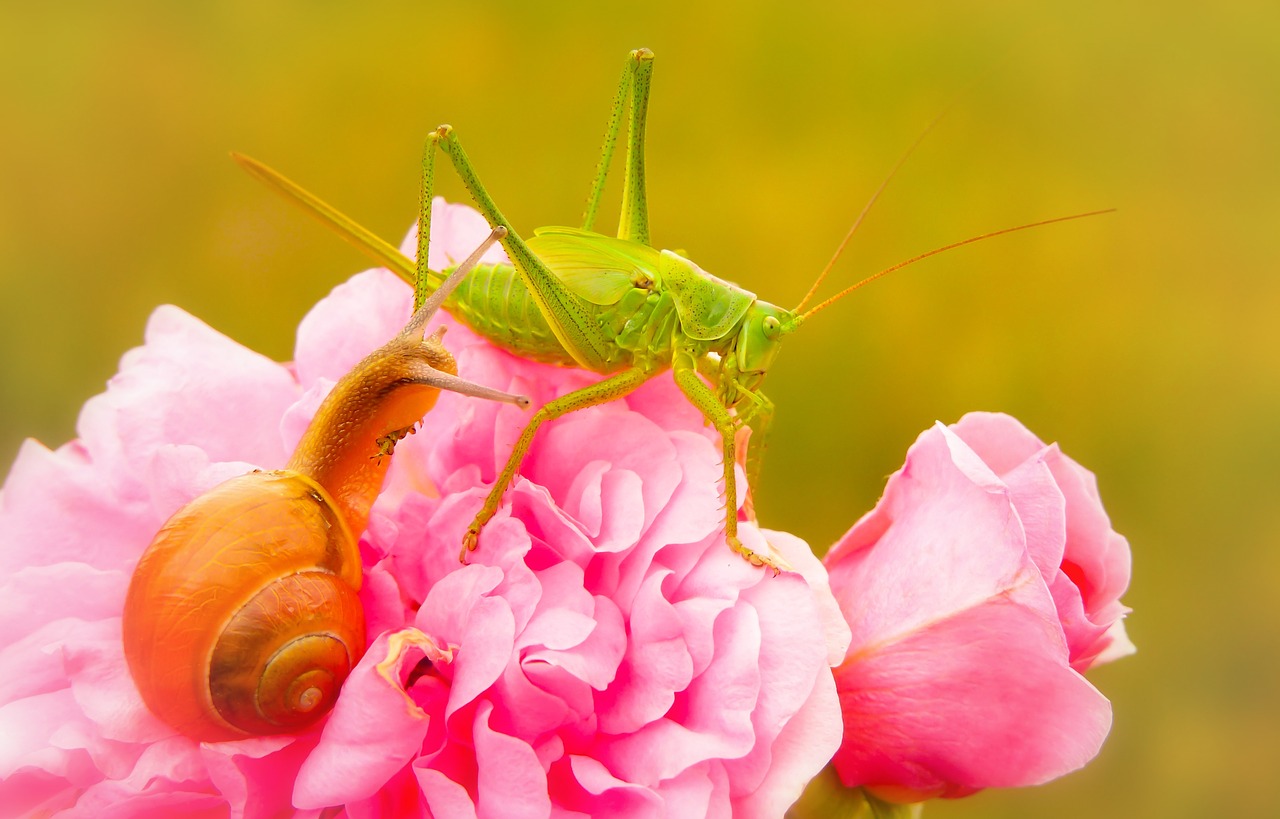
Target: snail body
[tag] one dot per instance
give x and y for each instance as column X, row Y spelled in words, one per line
column 243, row 616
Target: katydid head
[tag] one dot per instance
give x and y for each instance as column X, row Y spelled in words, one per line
column 759, row 339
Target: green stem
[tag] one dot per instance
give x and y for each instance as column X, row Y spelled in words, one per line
column 826, row 797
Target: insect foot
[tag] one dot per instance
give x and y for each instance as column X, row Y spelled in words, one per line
column 471, row 538
column 774, row 561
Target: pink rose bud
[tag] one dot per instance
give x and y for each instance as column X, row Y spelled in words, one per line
column 984, row 582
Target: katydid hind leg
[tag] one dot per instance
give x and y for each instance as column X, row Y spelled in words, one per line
column 633, row 88
column 566, row 314
column 599, row 393
column 702, row 397
column 620, row 98
column 633, row 222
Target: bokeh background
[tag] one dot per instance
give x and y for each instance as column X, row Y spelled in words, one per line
column 1145, row 342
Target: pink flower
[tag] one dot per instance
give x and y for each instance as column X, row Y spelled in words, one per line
column 985, row 580
column 603, row 652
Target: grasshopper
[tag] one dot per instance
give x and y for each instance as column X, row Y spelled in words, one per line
column 615, row 305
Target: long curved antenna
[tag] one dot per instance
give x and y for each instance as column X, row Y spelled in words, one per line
column 936, row 251
column 867, row 207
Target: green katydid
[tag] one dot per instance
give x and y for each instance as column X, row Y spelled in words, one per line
column 615, row 305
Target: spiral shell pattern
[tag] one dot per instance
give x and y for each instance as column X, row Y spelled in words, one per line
column 243, row 617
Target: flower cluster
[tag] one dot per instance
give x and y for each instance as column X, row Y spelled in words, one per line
column 603, row 653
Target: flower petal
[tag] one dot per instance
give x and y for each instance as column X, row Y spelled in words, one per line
column 979, row 700
column 510, row 779
column 376, row 728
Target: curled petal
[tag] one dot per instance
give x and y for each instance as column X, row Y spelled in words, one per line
column 376, row 728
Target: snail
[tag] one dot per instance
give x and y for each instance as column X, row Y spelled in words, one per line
column 243, row 616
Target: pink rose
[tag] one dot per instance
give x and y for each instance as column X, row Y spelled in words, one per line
column 985, row 580
column 603, row 652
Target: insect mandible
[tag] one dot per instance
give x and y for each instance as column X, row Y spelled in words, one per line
column 615, row 305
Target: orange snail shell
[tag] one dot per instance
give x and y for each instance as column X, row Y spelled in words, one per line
column 243, row 616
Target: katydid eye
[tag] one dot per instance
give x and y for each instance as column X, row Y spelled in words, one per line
column 771, row 327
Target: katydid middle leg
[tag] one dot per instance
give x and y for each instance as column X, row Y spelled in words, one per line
column 599, row 393
column 422, row 273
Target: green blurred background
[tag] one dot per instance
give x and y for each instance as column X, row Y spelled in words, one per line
column 1145, row 342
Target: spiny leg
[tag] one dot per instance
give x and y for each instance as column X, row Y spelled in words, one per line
column 754, row 418
column 702, row 397
column 601, row 393
column 610, row 142
column 567, row 315
column 759, row 421
column 634, row 86
column 633, row 223
column 422, row 284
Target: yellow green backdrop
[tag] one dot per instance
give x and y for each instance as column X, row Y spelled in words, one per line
column 1146, row 342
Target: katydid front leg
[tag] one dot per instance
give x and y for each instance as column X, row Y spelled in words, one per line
column 759, row 423
column 702, row 397
column 601, row 393
column 757, row 416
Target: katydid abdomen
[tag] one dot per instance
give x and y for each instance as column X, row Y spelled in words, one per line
column 494, row 302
